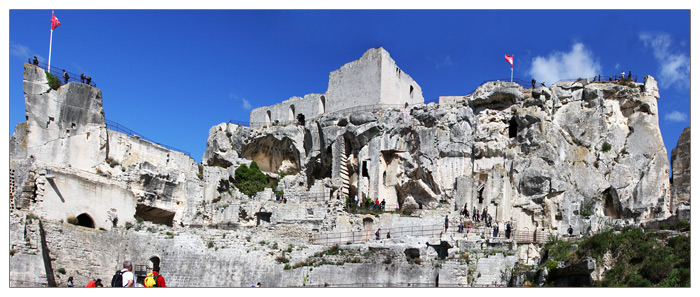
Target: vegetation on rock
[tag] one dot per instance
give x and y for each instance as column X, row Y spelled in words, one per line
column 250, row 180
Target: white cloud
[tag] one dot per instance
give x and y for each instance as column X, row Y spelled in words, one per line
column 676, row 116
column 22, row 51
column 674, row 67
column 577, row 63
column 446, row 62
column 246, row 105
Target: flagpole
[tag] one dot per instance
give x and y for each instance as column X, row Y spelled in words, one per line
column 511, row 74
column 50, row 43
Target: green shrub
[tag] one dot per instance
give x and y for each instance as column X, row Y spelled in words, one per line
column 54, row 82
column 606, row 146
column 282, row 259
column 250, row 180
column 61, row 270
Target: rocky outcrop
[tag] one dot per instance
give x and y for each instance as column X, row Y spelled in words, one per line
column 680, row 161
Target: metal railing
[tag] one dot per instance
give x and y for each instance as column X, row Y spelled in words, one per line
column 121, row 128
column 59, row 73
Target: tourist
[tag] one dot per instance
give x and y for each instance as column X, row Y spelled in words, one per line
column 88, row 80
column 376, row 234
column 570, row 230
column 483, row 214
column 629, row 76
column 461, row 225
column 447, row 220
column 533, row 82
column 70, row 282
column 475, row 214
column 65, row 76
column 488, row 224
column 622, row 76
column 128, row 279
column 388, row 234
column 508, row 230
column 469, row 228
column 495, row 230
column 641, row 228
column 157, row 279
column 383, row 205
column 35, row 61
column 98, row 283
column 91, row 283
column 82, row 77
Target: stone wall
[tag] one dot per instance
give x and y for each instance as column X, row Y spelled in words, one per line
column 372, row 80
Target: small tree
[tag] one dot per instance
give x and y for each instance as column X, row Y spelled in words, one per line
column 250, row 180
column 54, row 82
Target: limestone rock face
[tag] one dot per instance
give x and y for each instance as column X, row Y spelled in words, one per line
column 680, row 160
column 579, row 153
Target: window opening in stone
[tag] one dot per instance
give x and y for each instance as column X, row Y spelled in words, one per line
column 268, row 119
column 85, row 220
column 481, row 195
column 512, row 128
column 263, row 217
column 410, row 92
column 292, row 114
column 322, row 106
column 365, row 171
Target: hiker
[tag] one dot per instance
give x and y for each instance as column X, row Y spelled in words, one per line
column 376, row 234
column 447, row 220
column 35, row 61
column 570, row 230
column 82, row 77
column 508, row 230
column 154, row 279
column 127, row 276
column 533, row 82
column 70, row 282
column 65, row 76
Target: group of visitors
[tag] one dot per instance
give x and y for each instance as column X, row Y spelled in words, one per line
column 126, row 278
column 83, row 78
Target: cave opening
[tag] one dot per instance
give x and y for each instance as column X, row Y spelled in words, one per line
column 155, row 215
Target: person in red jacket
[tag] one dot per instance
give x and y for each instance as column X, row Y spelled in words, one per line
column 159, row 278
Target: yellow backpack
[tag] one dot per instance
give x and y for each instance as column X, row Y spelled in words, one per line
column 150, row 281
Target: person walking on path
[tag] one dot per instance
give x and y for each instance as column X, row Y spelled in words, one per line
column 508, row 230
column 376, row 234
column 495, row 230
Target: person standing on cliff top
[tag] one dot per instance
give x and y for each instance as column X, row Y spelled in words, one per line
column 82, row 77
column 533, row 82
column 65, row 76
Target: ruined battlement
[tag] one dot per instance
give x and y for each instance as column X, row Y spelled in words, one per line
column 374, row 79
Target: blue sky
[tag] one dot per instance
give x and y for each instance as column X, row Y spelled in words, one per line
column 171, row 75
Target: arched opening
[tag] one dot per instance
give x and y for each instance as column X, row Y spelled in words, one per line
column 322, row 105
column 85, row 220
column 512, row 128
column 155, row 263
column 612, row 206
column 268, row 118
column 368, row 226
column 292, row 113
column 410, row 91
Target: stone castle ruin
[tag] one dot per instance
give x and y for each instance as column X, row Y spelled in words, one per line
column 581, row 153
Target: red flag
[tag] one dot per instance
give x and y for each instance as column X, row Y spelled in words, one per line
column 510, row 60
column 54, row 21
